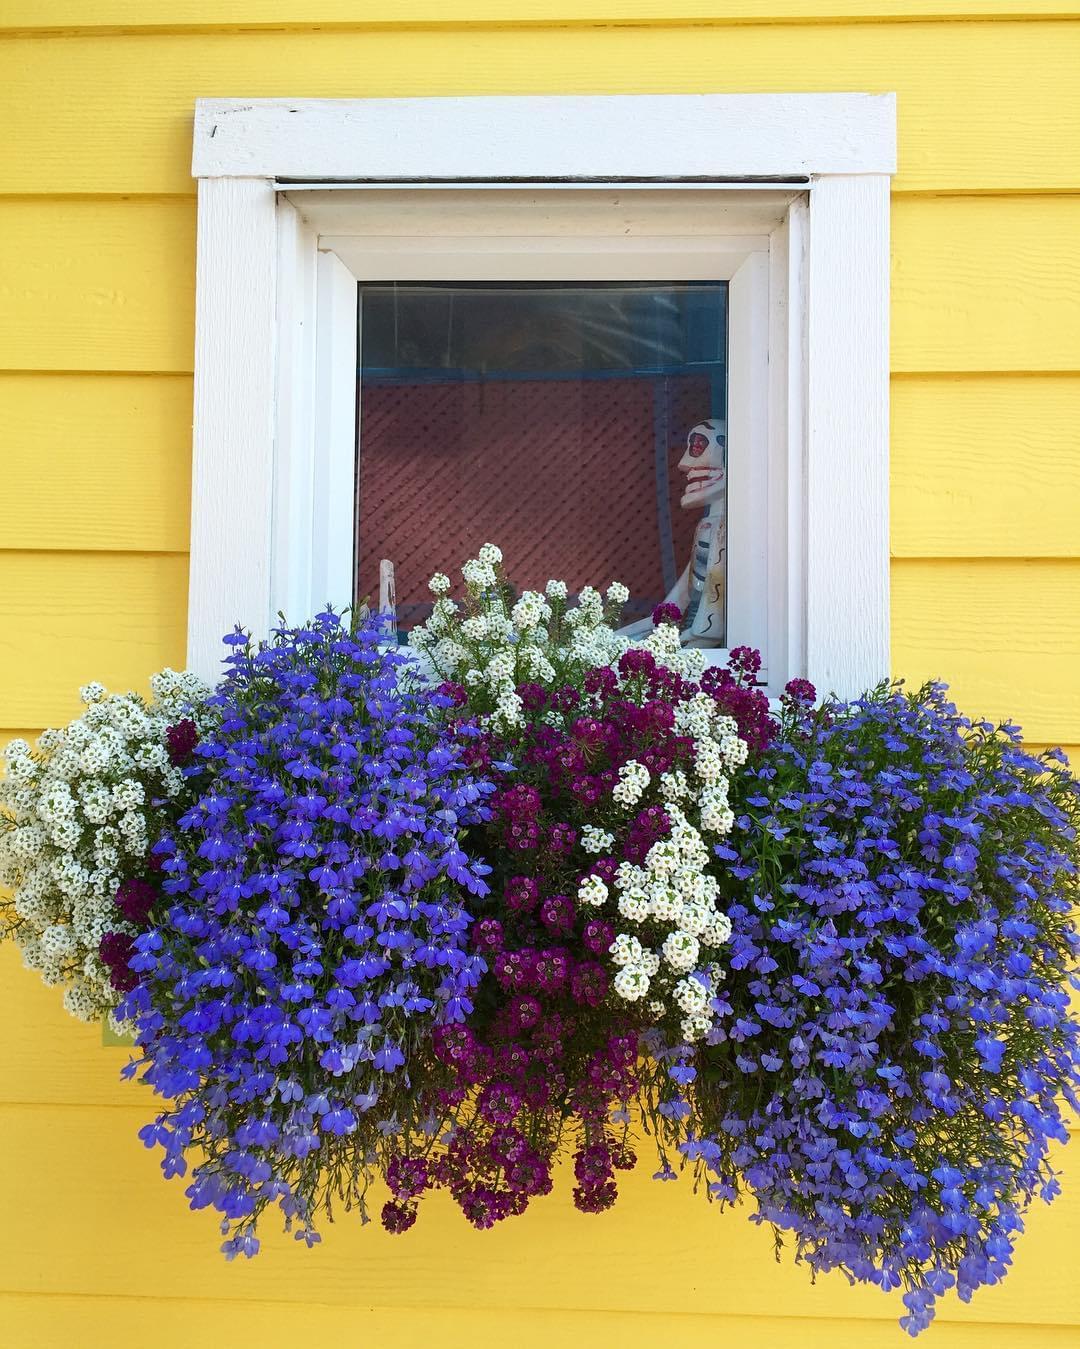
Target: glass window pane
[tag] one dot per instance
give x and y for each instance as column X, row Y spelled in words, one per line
column 582, row 427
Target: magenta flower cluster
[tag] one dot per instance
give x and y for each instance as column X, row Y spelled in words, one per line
column 550, row 1053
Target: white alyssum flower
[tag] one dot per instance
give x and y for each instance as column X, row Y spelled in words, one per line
column 631, row 983
column 530, row 610
column 536, row 666
column 681, row 950
column 695, row 1026
column 478, row 574
column 626, row 950
column 450, row 655
column 634, row 905
column 442, row 614
column 634, row 778
column 596, row 840
column 695, row 918
column 439, row 584
column 718, row 933
column 590, row 606
column 691, row 996
column 75, row 819
column 617, row 593
column 670, row 903
column 534, row 638
column 508, row 708
column 592, row 892
column 128, row 794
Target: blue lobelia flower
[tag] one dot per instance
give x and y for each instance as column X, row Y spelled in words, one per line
column 895, row 1045
column 297, row 973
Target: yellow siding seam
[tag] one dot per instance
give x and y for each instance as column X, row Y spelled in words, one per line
column 865, row 1323
column 906, row 376
column 125, row 18
column 248, row 1321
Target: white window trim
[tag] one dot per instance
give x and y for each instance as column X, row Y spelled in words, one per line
column 275, row 342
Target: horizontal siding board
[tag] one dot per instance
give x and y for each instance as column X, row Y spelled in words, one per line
column 97, row 462
column 63, row 1169
column 47, row 1057
column 102, row 1323
column 976, row 113
column 986, row 284
column 980, row 284
column 1004, row 634
column 92, row 285
column 136, row 15
column 67, row 618
column 985, row 466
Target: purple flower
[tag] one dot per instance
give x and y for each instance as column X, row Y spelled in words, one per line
column 666, row 613
column 799, row 693
column 180, row 741
column 135, row 898
column 116, row 950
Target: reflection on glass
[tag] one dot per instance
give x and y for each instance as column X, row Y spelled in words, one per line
column 580, row 427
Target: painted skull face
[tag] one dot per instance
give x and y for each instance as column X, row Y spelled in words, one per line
column 705, row 465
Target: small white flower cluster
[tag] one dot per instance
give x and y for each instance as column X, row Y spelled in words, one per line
column 673, row 896
column 633, row 779
column 666, row 645
column 671, row 900
column 596, row 840
column 73, row 812
column 718, row 750
column 503, row 642
column 593, row 892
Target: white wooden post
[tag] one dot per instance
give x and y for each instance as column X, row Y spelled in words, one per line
column 233, row 448
column 847, row 434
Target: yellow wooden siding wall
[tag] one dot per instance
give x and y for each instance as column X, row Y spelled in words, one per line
column 96, row 278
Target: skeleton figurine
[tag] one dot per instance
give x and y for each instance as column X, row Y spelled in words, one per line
column 701, row 591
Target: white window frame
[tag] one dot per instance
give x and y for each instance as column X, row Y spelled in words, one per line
column 592, row 235
column 287, row 193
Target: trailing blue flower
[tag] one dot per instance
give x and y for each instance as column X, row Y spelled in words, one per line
column 316, row 927
column 895, row 1046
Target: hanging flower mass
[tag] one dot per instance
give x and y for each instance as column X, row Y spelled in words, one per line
column 384, row 922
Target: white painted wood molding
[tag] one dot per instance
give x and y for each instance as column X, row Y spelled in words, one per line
column 601, row 136
column 234, row 414
column 847, row 435
column 275, row 344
